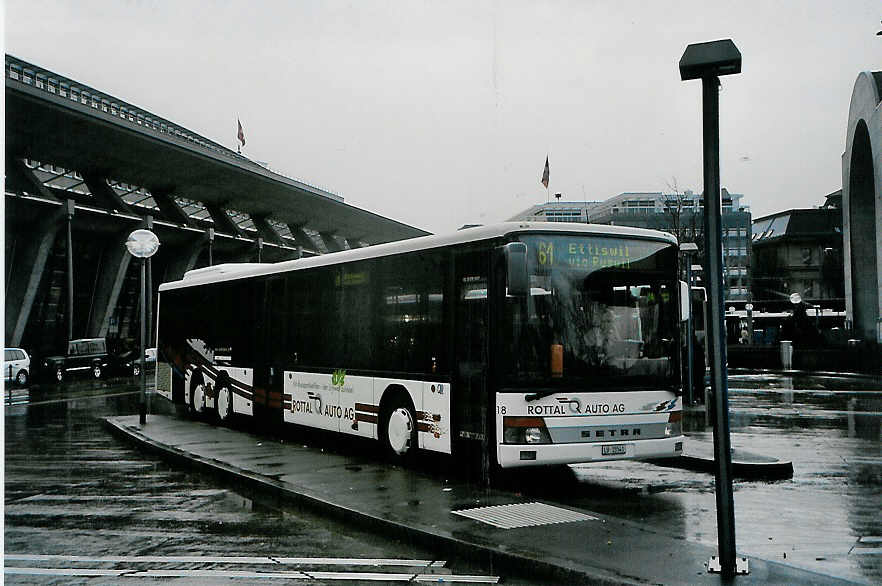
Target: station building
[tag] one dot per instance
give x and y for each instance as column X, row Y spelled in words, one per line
column 862, row 208
column 83, row 169
column 799, row 251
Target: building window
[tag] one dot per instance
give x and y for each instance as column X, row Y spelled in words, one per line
column 806, row 256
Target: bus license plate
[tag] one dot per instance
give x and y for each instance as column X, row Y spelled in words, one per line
column 615, row 450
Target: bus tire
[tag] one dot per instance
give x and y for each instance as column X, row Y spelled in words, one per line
column 398, row 432
column 224, row 401
column 197, row 398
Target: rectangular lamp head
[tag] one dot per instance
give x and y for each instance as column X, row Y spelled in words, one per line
column 711, row 58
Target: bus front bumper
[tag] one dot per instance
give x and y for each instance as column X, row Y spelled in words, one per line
column 514, row 456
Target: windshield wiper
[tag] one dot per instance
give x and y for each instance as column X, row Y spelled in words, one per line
column 540, row 395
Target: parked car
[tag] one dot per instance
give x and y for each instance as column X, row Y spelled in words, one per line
column 84, row 355
column 16, row 366
column 149, row 361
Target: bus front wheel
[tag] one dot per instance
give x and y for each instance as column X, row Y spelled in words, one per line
column 197, row 399
column 398, row 430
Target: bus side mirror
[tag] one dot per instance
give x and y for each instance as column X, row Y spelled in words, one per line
column 684, row 301
column 516, row 281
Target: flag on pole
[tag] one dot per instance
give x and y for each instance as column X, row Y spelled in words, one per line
column 241, row 134
column 544, row 180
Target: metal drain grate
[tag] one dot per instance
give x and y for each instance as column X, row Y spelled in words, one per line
column 523, row 515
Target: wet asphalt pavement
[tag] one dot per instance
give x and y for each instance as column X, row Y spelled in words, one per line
column 827, row 517
column 72, row 488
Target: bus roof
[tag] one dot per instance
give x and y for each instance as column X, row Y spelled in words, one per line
column 231, row 271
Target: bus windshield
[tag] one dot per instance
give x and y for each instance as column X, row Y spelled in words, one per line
column 601, row 313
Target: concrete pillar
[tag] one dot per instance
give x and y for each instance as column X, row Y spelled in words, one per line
column 101, row 191
column 19, row 176
column 266, row 230
column 222, row 221
column 185, row 258
column 108, row 285
column 302, row 238
column 331, row 242
column 27, row 271
column 169, row 207
column 69, row 211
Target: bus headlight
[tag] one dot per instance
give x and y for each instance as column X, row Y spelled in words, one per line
column 525, row 430
column 675, row 424
column 534, row 435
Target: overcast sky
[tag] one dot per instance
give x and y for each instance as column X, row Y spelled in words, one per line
column 439, row 114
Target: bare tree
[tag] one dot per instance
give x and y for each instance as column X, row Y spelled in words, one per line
column 682, row 216
column 683, row 219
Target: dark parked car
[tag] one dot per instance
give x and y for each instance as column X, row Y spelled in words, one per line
column 88, row 355
column 133, row 365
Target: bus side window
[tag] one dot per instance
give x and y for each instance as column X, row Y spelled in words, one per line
column 354, row 286
column 411, row 310
column 471, row 313
column 315, row 319
column 278, row 321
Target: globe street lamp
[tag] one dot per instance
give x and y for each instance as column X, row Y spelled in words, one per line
column 143, row 244
column 749, row 307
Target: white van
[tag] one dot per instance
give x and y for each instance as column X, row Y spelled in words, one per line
column 16, row 366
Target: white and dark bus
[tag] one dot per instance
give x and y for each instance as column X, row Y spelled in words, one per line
column 539, row 343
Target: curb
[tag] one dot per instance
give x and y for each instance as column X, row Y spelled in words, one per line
column 777, row 470
column 512, row 562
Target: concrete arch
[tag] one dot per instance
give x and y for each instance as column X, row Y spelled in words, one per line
column 862, row 207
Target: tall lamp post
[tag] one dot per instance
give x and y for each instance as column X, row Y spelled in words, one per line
column 708, row 61
column 143, row 244
column 688, row 249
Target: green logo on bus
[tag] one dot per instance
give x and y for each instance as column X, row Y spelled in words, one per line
column 338, row 377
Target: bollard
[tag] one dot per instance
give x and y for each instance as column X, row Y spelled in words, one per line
column 787, row 354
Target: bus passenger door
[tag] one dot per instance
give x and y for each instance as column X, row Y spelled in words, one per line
column 271, row 323
column 470, row 399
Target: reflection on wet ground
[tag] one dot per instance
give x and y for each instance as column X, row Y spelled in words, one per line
column 73, row 489
column 827, row 517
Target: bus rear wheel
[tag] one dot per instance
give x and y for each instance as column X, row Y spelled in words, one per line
column 224, row 403
column 398, row 431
